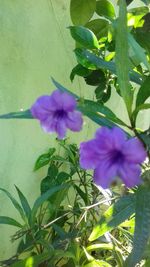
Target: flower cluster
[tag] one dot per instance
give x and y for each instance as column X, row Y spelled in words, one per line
column 110, row 154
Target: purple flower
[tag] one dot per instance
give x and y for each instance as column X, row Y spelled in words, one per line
column 57, row 112
column 111, row 154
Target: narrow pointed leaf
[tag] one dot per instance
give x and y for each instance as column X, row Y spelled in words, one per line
column 15, row 203
column 142, row 226
column 144, row 92
column 114, row 216
column 24, row 203
column 9, row 221
column 122, row 57
column 17, row 115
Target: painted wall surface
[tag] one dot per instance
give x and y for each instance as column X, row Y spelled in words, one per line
column 35, row 44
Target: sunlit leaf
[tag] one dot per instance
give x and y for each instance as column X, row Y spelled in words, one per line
column 81, row 11
column 114, row 216
column 84, row 36
column 105, row 8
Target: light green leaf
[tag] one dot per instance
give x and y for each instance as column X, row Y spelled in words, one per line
column 97, row 263
column 99, row 27
column 33, row 261
column 105, row 8
column 114, row 216
column 122, row 57
column 81, row 11
column 144, row 92
column 9, row 221
column 142, row 226
column 24, row 202
column 84, row 37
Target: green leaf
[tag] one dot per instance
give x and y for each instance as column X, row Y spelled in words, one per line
column 145, row 136
column 18, row 115
column 142, row 225
column 63, row 89
column 81, row 11
column 105, row 8
column 15, row 203
column 100, row 111
column 83, row 60
column 99, row 27
column 44, row 159
column 81, row 194
column 84, row 37
column 97, row 263
column 33, row 261
column 144, row 92
column 103, row 93
column 40, row 200
column 24, row 202
column 115, row 215
column 122, row 57
column 80, row 71
column 91, row 58
column 138, row 51
column 139, row 10
column 139, row 108
column 9, row 221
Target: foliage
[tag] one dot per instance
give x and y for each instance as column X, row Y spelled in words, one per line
column 73, row 222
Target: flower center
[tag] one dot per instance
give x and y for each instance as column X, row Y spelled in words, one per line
column 117, row 156
column 60, row 114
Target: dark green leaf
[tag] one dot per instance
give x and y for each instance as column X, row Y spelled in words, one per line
column 138, row 51
column 9, row 221
column 114, row 216
column 142, row 225
column 62, row 177
column 81, row 194
column 15, row 203
column 144, row 92
column 44, row 159
column 145, row 136
column 99, row 27
column 84, row 37
column 100, row 111
column 80, row 71
column 103, row 93
column 40, row 200
column 81, row 11
column 63, row 89
column 105, row 8
column 24, row 202
column 18, row 115
column 95, row 78
column 122, row 57
column 88, row 58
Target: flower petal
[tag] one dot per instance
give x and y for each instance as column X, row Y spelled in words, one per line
column 61, row 129
column 74, row 121
column 105, row 174
column 110, row 139
column 41, row 108
column 130, row 174
column 134, row 151
column 69, row 102
column 89, row 157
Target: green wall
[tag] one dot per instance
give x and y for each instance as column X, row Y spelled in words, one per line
column 35, row 44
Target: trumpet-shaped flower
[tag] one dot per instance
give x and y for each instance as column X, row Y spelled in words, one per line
column 110, row 154
column 56, row 113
